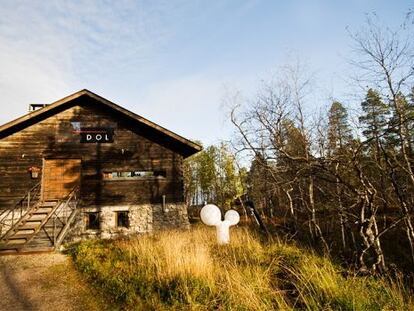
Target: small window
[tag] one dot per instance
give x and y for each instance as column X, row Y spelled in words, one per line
column 129, row 175
column 142, row 174
column 125, row 174
column 160, row 173
column 92, row 221
column 107, row 175
column 76, row 126
column 122, row 219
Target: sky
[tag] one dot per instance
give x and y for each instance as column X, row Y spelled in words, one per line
column 172, row 61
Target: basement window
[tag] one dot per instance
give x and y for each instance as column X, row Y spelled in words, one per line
column 133, row 175
column 122, row 219
column 92, row 221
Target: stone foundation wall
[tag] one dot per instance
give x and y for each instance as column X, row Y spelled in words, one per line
column 142, row 219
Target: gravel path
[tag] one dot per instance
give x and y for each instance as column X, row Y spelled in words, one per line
column 43, row 282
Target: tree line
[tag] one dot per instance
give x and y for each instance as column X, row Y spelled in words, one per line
column 344, row 179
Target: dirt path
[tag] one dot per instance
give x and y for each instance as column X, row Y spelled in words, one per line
column 43, row 282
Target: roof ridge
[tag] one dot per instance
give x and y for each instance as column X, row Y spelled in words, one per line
column 130, row 114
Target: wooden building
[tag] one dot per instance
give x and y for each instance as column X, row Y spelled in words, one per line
column 88, row 167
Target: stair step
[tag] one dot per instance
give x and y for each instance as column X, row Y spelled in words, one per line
column 40, row 243
column 36, row 217
column 21, row 231
column 15, row 241
column 7, row 251
column 48, row 204
column 43, row 214
column 19, row 237
column 32, row 221
column 49, row 208
column 43, row 210
column 28, row 226
column 24, row 251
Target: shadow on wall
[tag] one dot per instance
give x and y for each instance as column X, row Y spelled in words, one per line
column 129, row 152
column 53, row 138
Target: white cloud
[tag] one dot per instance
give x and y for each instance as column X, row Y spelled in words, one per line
column 28, row 76
column 114, row 48
column 48, row 50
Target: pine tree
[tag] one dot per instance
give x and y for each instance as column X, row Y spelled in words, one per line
column 294, row 140
column 374, row 119
column 409, row 117
column 258, row 182
column 374, row 122
column 339, row 132
column 402, row 121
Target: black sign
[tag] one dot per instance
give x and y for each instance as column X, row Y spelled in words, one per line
column 96, row 135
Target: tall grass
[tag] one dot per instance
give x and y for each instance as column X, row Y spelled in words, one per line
column 186, row 270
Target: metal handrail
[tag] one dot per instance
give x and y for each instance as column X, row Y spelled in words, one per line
column 72, row 197
column 9, row 217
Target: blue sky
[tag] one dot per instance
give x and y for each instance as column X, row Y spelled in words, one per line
column 171, row 61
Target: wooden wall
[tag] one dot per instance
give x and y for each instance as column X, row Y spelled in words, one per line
column 53, row 137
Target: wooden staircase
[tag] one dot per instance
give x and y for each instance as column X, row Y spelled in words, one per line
column 42, row 228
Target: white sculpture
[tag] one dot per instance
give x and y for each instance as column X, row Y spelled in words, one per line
column 211, row 216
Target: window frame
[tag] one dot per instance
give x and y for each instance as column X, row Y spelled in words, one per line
column 88, row 222
column 135, row 175
column 117, row 214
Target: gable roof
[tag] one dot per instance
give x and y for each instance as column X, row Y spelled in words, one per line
column 187, row 147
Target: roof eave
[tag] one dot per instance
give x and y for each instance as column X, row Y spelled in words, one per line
column 9, row 125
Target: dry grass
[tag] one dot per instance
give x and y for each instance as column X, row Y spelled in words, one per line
column 178, row 270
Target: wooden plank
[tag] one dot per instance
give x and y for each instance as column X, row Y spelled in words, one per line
column 103, row 102
column 60, row 176
column 43, row 140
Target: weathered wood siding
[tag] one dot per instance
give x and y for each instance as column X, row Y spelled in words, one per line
column 53, row 138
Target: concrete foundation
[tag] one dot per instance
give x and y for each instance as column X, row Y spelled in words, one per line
column 142, row 218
